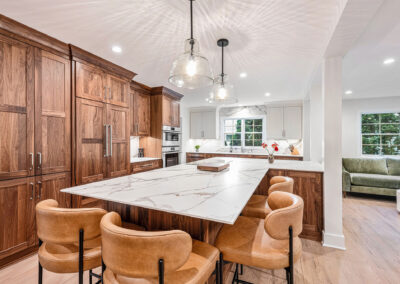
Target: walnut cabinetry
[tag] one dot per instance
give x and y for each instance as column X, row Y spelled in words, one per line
column 140, row 110
column 191, row 157
column 171, row 112
column 145, row 166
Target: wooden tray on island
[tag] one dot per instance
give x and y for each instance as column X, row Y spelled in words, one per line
column 213, row 166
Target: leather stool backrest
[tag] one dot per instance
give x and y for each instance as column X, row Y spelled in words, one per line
column 281, row 183
column 287, row 210
column 62, row 225
column 137, row 253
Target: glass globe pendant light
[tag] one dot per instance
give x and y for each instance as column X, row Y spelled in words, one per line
column 191, row 70
column 222, row 92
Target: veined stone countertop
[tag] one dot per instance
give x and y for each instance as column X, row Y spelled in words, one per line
column 142, row 159
column 246, row 153
column 184, row 190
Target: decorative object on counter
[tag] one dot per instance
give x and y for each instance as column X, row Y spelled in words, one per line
column 197, row 147
column 213, row 166
column 222, row 92
column 191, row 70
column 141, row 153
column 293, row 150
column 274, row 148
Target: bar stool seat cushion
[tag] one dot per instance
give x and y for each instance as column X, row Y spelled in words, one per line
column 64, row 258
column 196, row 270
column 257, row 207
column 247, row 242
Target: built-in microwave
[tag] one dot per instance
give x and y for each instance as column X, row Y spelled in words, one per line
column 171, row 136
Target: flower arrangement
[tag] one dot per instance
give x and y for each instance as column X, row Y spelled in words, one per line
column 271, row 150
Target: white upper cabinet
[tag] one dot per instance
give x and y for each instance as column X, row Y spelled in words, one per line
column 203, row 124
column 284, row 122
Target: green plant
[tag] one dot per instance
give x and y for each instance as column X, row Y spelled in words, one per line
column 197, row 147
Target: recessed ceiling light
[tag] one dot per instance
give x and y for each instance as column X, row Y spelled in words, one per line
column 267, row 94
column 389, row 61
column 117, row 49
column 348, row 92
column 243, row 75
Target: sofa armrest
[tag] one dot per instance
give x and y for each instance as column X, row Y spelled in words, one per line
column 346, row 180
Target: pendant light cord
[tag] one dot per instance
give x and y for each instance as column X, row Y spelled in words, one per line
column 191, row 26
column 222, row 73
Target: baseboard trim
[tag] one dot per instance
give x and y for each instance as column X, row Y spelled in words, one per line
column 333, row 241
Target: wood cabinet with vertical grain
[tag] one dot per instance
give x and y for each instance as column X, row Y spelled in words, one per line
column 118, row 91
column 16, row 109
column 166, row 111
column 90, row 82
column 52, row 113
column 175, row 113
column 91, row 134
column 17, row 215
column 118, row 163
column 140, row 110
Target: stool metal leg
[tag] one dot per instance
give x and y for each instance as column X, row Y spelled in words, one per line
column 291, row 254
column 221, row 268
column 40, row 277
column 81, row 256
column 161, row 271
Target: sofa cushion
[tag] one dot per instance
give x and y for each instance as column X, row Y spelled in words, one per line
column 393, row 166
column 366, row 165
column 373, row 180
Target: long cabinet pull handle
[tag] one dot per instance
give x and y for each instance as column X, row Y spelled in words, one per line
column 106, row 144
column 33, row 189
column 109, row 91
column 32, row 161
column 110, row 140
column 105, row 92
column 40, row 190
column 39, row 159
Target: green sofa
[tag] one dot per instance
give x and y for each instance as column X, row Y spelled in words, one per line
column 379, row 176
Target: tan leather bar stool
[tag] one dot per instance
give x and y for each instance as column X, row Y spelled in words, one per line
column 154, row 257
column 272, row 243
column 69, row 239
column 258, row 207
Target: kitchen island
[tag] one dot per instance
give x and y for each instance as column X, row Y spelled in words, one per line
column 200, row 202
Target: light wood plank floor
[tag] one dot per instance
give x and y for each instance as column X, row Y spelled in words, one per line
column 372, row 232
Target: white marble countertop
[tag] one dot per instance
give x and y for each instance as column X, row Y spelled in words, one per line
column 184, row 190
column 142, row 159
column 245, row 153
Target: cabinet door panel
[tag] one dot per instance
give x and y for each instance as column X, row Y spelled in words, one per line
column 117, row 92
column 196, row 125
column 50, row 187
column 17, row 215
column 175, row 113
column 209, row 125
column 52, row 113
column 90, row 82
column 293, row 118
column 90, row 160
column 16, row 109
column 166, row 111
column 141, row 114
column 118, row 163
column 275, row 123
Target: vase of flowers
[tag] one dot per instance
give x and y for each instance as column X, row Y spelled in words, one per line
column 271, row 150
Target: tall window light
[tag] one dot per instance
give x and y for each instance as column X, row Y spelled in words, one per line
column 243, row 132
column 380, row 133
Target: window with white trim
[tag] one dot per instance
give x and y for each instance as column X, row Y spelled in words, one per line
column 243, row 132
column 380, row 133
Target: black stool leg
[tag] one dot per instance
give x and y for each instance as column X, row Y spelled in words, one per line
column 90, row 277
column 221, row 268
column 40, row 277
column 217, row 280
column 241, row 269
column 81, row 256
column 103, row 268
column 291, row 255
column 161, row 271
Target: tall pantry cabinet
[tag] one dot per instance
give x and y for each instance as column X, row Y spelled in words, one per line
column 35, row 131
column 102, row 127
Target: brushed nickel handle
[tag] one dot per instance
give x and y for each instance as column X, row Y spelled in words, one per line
column 32, row 188
column 32, row 161
column 110, row 140
column 105, row 92
column 106, row 145
column 40, row 190
column 40, row 160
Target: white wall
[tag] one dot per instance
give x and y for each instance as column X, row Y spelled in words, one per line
column 351, row 120
column 306, row 131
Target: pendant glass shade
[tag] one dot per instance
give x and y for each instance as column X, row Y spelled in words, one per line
column 191, row 70
column 222, row 92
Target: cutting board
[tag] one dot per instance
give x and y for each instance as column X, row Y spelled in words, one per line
column 213, row 166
